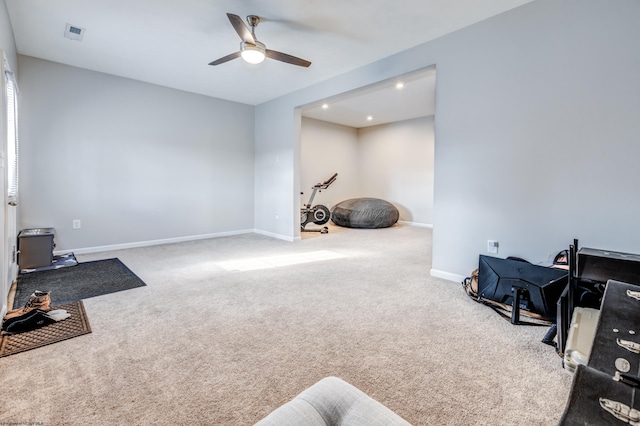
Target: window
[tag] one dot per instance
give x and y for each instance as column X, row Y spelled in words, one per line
column 12, row 138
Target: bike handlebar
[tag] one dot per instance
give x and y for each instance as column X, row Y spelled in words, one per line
column 331, row 179
column 326, row 183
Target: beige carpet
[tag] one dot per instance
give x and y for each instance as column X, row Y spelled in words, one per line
column 208, row 346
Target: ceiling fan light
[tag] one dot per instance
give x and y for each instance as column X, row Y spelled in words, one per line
column 253, row 54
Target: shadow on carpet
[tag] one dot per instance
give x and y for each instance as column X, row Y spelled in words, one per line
column 74, row 326
column 85, row 280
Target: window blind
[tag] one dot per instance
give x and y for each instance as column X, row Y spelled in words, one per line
column 12, row 138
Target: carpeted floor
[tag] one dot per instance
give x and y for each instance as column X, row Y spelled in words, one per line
column 207, row 345
column 82, row 281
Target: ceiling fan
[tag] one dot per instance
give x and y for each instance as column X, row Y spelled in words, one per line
column 251, row 50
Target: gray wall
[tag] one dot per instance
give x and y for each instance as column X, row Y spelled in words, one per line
column 277, row 170
column 325, row 149
column 133, row 161
column 396, row 164
column 536, row 133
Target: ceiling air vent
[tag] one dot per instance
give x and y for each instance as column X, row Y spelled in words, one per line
column 74, row 33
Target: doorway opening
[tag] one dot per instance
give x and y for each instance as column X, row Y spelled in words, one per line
column 379, row 139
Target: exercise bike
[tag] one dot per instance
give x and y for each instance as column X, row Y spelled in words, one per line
column 317, row 214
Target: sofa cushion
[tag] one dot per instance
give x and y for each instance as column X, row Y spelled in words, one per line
column 294, row 413
column 333, row 401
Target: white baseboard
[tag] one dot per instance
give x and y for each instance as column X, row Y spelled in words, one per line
column 447, row 275
column 278, row 236
column 112, row 247
column 418, row 224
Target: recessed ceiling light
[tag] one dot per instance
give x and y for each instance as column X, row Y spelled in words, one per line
column 369, row 118
column 399, row 85
column 325, row 106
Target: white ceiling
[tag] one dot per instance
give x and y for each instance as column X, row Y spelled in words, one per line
column 171, row 42
column 400, row 98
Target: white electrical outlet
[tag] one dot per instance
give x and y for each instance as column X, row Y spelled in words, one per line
column 76, row 224
column 492, row 246
column 277, row 215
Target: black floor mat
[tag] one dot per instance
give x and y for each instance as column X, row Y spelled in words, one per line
column 86, row 279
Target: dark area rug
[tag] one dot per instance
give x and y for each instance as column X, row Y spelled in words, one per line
column 76, row 325
column 85, row 280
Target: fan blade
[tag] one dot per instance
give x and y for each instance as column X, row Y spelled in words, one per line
column 279, row 56
column 225, row 58
column 241, row 28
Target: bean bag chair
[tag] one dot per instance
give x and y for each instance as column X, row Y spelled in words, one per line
column 364, row 213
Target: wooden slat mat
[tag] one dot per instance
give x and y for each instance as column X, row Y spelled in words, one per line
column 76, row 325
